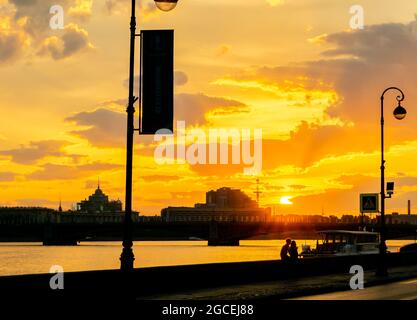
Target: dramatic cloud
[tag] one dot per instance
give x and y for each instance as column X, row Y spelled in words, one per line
column 13, row 40
column 25, row 29
column 358, row 65
column 107, row 128
column 362, row 64
column 81, row 9
column 73, row 40
column 381, row 56
column 310, row 143
column 11, row 46
column 36, row 150
column 37, row 16
column 193, row 108
column 317, row 162
column 345, row 199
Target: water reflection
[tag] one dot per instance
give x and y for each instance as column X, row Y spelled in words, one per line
column 25, row 258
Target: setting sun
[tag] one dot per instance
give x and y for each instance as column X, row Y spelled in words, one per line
column 285, row 200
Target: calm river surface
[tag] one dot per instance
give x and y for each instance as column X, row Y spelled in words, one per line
column 26, row 258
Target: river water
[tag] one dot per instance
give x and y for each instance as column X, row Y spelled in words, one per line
column 27, row 258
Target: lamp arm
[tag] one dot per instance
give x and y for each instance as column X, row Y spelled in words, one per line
column 399, row 98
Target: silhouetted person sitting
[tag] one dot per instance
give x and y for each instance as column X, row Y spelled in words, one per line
column 293, row 251
column 284, row 250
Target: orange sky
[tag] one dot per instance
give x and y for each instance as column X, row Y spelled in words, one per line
column 292, row 68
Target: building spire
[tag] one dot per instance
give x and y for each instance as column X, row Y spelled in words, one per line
column 257, row 192
column 60, row 204
column 98, row 182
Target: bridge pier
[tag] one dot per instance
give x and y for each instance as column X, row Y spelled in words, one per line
column 53, row 237
column 224, row 242
column 218, row 236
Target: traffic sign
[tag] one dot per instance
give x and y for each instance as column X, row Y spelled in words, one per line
column 369, row 202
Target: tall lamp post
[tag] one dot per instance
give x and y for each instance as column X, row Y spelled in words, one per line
column 399, row 114
column 127, row 257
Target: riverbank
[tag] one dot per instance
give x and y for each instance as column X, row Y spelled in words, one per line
column 290, row 288
column 191, row 280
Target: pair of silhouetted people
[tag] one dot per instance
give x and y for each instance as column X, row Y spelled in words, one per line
column 289, row 251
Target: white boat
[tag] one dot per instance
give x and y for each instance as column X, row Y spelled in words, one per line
column 343, row 242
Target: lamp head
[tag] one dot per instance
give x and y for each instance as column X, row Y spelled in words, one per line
column 400, row 112
column 390, row 187
column 166, row 5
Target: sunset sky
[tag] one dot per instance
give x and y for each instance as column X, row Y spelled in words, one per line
column 293, row 68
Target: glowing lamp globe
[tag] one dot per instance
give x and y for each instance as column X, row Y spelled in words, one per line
column 166, row 5
column 400, row 113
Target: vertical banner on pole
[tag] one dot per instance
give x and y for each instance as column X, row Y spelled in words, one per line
column 157, row 81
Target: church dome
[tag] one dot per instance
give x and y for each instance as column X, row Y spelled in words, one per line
column 98, row 191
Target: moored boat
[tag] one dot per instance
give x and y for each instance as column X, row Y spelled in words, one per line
column 343, row 242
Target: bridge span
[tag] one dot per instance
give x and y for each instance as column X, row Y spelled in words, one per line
column 216, row 233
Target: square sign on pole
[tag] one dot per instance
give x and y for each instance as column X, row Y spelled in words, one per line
column 157, row 81
column 369, row 202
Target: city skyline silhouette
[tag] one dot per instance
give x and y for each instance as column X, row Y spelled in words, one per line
column 315, row 99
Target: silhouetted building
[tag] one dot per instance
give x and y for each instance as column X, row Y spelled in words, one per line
column 300, row 218
column 396, row 218
column 348, row 219
column 40, row 216
column 228, row 198
column 24, row 215
column 99, row 202
column 224, row 204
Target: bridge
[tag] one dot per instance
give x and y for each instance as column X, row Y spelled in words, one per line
column 216, row 233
